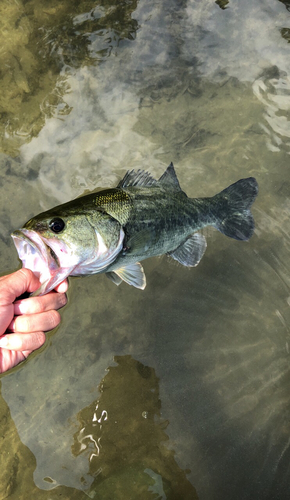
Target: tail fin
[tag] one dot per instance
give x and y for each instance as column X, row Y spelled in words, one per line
column 234, row 216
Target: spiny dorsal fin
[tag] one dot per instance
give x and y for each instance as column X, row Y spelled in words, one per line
column 137, row 178
column 169, row 179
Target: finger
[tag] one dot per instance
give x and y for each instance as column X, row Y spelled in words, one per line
column 34, row 322
column 34, row 305
column 23, row 341
column 62, row 287
column 16, row 284
column 8, row 358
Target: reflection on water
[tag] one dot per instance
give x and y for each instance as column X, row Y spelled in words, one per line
column 17, row 466
column 90, row 90
column 122, row 437
column 275, row 96
column 40, row 48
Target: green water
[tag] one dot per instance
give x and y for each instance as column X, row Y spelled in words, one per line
column 180, row 391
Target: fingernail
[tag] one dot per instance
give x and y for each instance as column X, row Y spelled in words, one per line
column 3, row 342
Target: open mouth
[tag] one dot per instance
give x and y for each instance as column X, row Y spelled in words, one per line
column 35, row 254
column 40, row 258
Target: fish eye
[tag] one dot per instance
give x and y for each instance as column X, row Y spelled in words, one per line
column 56, row 225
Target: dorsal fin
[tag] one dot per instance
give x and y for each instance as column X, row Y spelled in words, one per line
column 169, row 179
column 137, row 178
column 142, row 178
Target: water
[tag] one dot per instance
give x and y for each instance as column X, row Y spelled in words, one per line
column 180, row 391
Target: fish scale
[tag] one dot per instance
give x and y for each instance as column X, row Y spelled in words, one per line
column 116, row 203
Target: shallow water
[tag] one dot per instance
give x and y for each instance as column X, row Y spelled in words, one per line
column 179, row 391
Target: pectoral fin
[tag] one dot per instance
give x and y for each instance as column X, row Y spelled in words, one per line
column 133, row 274
column 190, row 253
column 114, row 278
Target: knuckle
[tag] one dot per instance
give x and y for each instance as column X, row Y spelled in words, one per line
column 39, row 305
column 27, row 273
column 39, row 339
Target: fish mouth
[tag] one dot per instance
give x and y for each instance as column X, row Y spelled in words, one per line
column 34, row 253
column 40, row 258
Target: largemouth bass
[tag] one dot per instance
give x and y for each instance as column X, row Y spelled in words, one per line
column 112, row 230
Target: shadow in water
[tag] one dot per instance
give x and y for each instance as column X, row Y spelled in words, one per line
column 124, row 438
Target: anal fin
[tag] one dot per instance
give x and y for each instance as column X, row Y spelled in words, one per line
column 190, row 253
column 133, row 274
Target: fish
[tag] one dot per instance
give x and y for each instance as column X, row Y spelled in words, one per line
column 111, row 231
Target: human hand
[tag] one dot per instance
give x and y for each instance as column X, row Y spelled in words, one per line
column 23, row 322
